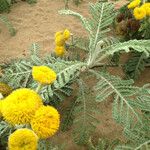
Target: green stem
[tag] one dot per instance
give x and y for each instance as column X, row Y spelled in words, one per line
column 39, row 88
column 91, row 57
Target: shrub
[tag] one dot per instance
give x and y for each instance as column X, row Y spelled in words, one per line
column 130, row 106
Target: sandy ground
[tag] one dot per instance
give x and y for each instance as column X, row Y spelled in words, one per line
column 38, row 24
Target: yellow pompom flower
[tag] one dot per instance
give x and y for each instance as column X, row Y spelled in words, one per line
column 43, row 74
column 60, row 40
column 66, row 34
column 146, row 6
column 139, row 13
column 23, row 139
column 134, row 4
column 58, row 34
column 20, row 106
column 59, row 51
column 45, row 122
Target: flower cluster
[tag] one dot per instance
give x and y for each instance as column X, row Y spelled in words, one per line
column 134, row 4
column 140, row 12
column 60, row 39
column 25, row 107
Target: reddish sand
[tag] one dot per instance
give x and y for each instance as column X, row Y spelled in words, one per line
column 38, row 23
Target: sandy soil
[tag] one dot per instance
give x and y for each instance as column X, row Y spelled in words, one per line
column 38, row 24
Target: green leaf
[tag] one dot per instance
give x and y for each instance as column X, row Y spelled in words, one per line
column 122, row 91
column 135, row 65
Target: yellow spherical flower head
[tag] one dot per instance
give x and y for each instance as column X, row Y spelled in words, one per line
column 43, row 74
column 134, row 4
column 23, row 139
column 66, row 34
column 139, row 13
column 45, row 122
column 20, row 106
column 146, row 6
column 58, row 34
column 60, row 40
column 59, row 51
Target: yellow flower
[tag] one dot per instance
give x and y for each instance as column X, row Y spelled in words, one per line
column 66, row 34
column 134, row 4
column 146, row 6
column 60, row 40
column 23, row 139
column 58, row 34
column 20, row 106
column 139, row 13
column 60, row 50
column 43, row 74
column 61, row 37
column 45, row 122
column 5, row 89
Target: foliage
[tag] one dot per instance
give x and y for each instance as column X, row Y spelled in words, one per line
column 68, row 116
column 102, row 144
column 127, row 27
column 145, row 29
column 8, row 24
column 5, row 130
column 122, row 90
column 5, row 5
column 131, row 104
column 100, row 46
column 85, row 121
column 135, row 65
column 144, row 145
column 139, row 135
column 46, row 145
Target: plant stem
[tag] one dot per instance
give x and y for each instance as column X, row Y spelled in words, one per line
column 112, row 65
column 92, row 56
column 39, row 88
